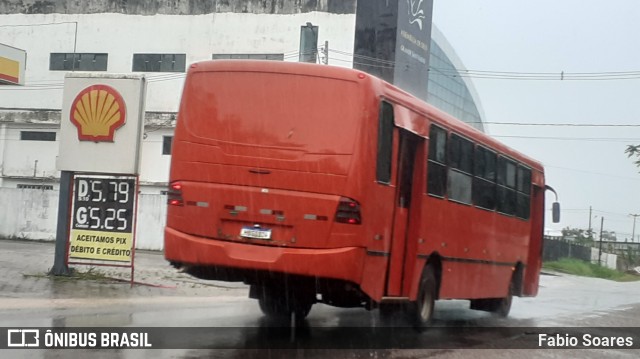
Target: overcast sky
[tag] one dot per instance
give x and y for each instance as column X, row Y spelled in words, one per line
column 587, row 166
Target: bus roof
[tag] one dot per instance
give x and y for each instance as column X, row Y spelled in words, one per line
column 294, row 68
column 380, row 88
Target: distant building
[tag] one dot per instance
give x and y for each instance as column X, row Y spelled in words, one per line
column 160, row 39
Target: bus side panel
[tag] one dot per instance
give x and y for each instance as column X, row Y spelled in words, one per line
column 534, row 263
column 373, row 276
column 478, row 248
column 462, row 280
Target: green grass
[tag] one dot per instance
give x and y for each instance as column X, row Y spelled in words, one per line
column 586, row 269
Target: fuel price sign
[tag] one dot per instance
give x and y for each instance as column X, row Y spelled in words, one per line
column 103, row 218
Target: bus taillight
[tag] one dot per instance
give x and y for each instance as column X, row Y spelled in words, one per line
column 348, row 211
column 174, row 195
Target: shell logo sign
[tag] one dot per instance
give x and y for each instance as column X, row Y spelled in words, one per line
column 97, row 112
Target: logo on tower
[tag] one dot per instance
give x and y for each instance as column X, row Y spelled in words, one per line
column 97, row 112
column 416, row 13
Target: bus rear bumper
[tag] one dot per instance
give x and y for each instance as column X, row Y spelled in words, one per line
column 336, row 263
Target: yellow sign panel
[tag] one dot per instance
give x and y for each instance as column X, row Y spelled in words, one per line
column 9, row 70
column 104, row 246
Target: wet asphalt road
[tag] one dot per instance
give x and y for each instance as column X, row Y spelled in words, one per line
column 168, row 298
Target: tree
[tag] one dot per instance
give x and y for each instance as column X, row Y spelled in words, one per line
column 634, row 151
column 609, row 236
column 582, row 236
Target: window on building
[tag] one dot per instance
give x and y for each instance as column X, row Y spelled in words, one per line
column 385, row 143
column 159, row 62
column 44, row 187
column 37, row 136
column 78, row 62
column 460, row 169
column 166, row 144
column 484, row 182
column 437, row 177
column 273, row 57
column 308, row 44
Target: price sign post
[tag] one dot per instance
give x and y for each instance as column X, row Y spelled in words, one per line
column 101, row 132
column 103, row 220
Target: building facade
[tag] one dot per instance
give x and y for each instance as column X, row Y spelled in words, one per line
column 160, row 39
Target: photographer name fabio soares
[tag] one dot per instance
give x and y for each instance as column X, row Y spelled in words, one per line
column 585, row 341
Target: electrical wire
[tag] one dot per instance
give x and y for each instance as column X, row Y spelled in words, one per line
column 584, row 139
column 558, row 124
column 503, row 75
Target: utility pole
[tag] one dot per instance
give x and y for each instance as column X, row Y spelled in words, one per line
column 633, row 233
column 600, row 250
column 325, row 50
column 590, row 234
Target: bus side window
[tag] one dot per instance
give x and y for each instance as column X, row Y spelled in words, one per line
column 385, row 143
column 437, row 176
column 523, row 201
column 484, row 182
column 506, row 186
column 460, row 169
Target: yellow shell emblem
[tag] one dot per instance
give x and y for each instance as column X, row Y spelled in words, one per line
column 98, row 111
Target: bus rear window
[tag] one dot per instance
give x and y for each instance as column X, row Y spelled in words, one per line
column 309, row 114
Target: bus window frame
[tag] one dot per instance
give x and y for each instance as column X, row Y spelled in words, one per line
column 435, row 162
column 455, row 171
column 384, row 175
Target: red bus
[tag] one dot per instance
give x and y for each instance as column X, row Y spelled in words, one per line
column 322, row 184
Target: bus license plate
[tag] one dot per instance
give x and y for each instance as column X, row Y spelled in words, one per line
column 252, row 232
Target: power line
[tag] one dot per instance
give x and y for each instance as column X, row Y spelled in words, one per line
column 584, row 139
column 559, row 124
column 502, row 75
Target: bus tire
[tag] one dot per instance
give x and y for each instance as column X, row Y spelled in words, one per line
column 276, row 305
column 389, row 311
column 502, row 306
column 421, row 311
column 498, row 306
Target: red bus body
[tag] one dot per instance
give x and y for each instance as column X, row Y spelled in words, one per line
column 294, row 149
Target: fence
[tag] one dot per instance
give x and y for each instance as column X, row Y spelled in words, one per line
column 554, row 249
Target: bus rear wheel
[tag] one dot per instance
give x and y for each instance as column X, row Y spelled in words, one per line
column 421, row 311
column 498, row 306
column 280, row 305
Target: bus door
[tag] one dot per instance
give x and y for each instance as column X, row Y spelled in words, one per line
column 408, row 157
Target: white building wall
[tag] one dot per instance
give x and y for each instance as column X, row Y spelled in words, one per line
column 32, row 214
column 28, row 214
column 198, row 36
column 121, row 36
column 154, row 166
column 608, row 260
column 19, row 158
column 30, row 158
